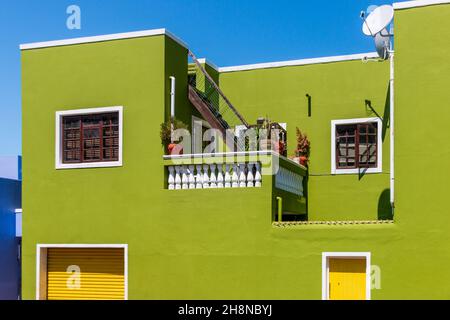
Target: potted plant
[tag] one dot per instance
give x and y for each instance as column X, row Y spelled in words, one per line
column 303, row 148
column 166, row 135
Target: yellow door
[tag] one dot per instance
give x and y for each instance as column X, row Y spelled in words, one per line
column 347, row 279
column 85, row 274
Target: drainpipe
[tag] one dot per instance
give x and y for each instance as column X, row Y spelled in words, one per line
column 172, row 97
column 391, row 127
column 280, row 209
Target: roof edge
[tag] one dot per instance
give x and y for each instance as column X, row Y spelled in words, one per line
column 301, row 62
column 209, row 63
column 102, row 38
column 418, row 3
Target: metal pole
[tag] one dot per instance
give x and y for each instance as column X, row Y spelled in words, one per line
column 391, row 129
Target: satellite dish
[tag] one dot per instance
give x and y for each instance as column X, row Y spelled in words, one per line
column 378, row 20
column 382, row 43
column 376, row 26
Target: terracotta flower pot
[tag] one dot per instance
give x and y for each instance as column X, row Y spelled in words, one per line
column 303, row 160
column 171, row 148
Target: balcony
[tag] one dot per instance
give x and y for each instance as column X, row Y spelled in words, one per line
column 283, row 179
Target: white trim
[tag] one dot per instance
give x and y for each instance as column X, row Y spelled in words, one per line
column 18, row 211
column 418, row 3
column 379, row 167
column 101, row 38
column 231, row 154
column 58, row 142
column 300, row 62
column 225, row 154
column 209, row 63
column 326, row 269
column 41, row 265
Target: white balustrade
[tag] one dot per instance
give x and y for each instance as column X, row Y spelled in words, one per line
column 242, row 177
column 199, row 177
column 191, row 177
column 220, row 176
column 258, row 177
column 205, row 176
column 235, row 175
column 227, row 176
column 184, row 178
column 171, row 180
column 177, row 178
column 250, row 177
column 212, row 176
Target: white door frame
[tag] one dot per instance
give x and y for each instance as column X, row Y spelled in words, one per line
column 343, row 255
column 41, row 264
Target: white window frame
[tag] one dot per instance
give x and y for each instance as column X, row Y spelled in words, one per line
column 58, row 138
column 343, row 255
column 378, row 168
column 41, row 264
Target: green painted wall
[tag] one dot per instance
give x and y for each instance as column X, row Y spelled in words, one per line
column 422, row 141
column 91, row 205
column 220, row 243
column 338, row 91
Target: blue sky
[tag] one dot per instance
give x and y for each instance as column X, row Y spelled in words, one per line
column 227, row 32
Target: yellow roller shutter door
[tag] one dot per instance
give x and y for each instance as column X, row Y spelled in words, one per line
column 85, row 274
column 347, row 279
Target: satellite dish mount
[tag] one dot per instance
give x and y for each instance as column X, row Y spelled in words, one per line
column 376, row 25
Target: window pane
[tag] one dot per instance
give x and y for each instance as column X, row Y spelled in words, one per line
column 71, row 144
column 363, row 129
column 356, row 145
column 345, row 146
column 90, row 138
column 367, row 145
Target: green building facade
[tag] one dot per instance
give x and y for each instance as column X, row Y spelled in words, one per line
column 231, row 243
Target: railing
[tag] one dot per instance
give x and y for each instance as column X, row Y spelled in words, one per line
column 210, row 92
column 234, row 170
column 222, row 175
column 278, row 178
column 289, row 181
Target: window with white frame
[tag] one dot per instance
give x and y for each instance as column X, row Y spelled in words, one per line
column 356, row 146
column 87, row 138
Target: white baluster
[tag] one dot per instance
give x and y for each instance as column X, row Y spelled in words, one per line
column 199, row 177
column 242, row 177
column 220, row 176
column 235, row 176
column 212, row 176
column 184, row 178
column 250, row 177
column 171, row 179
column 177, row 178
column 191, row 177
column 258, row 177
column 227, row 176
column 205, row 176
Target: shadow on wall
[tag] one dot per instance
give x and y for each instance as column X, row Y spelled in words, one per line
column 387, row 112
column 385, row 121
column 384, row 206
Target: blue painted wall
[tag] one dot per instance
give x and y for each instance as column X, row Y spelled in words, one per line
column 10, row 200
column 11, row 167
